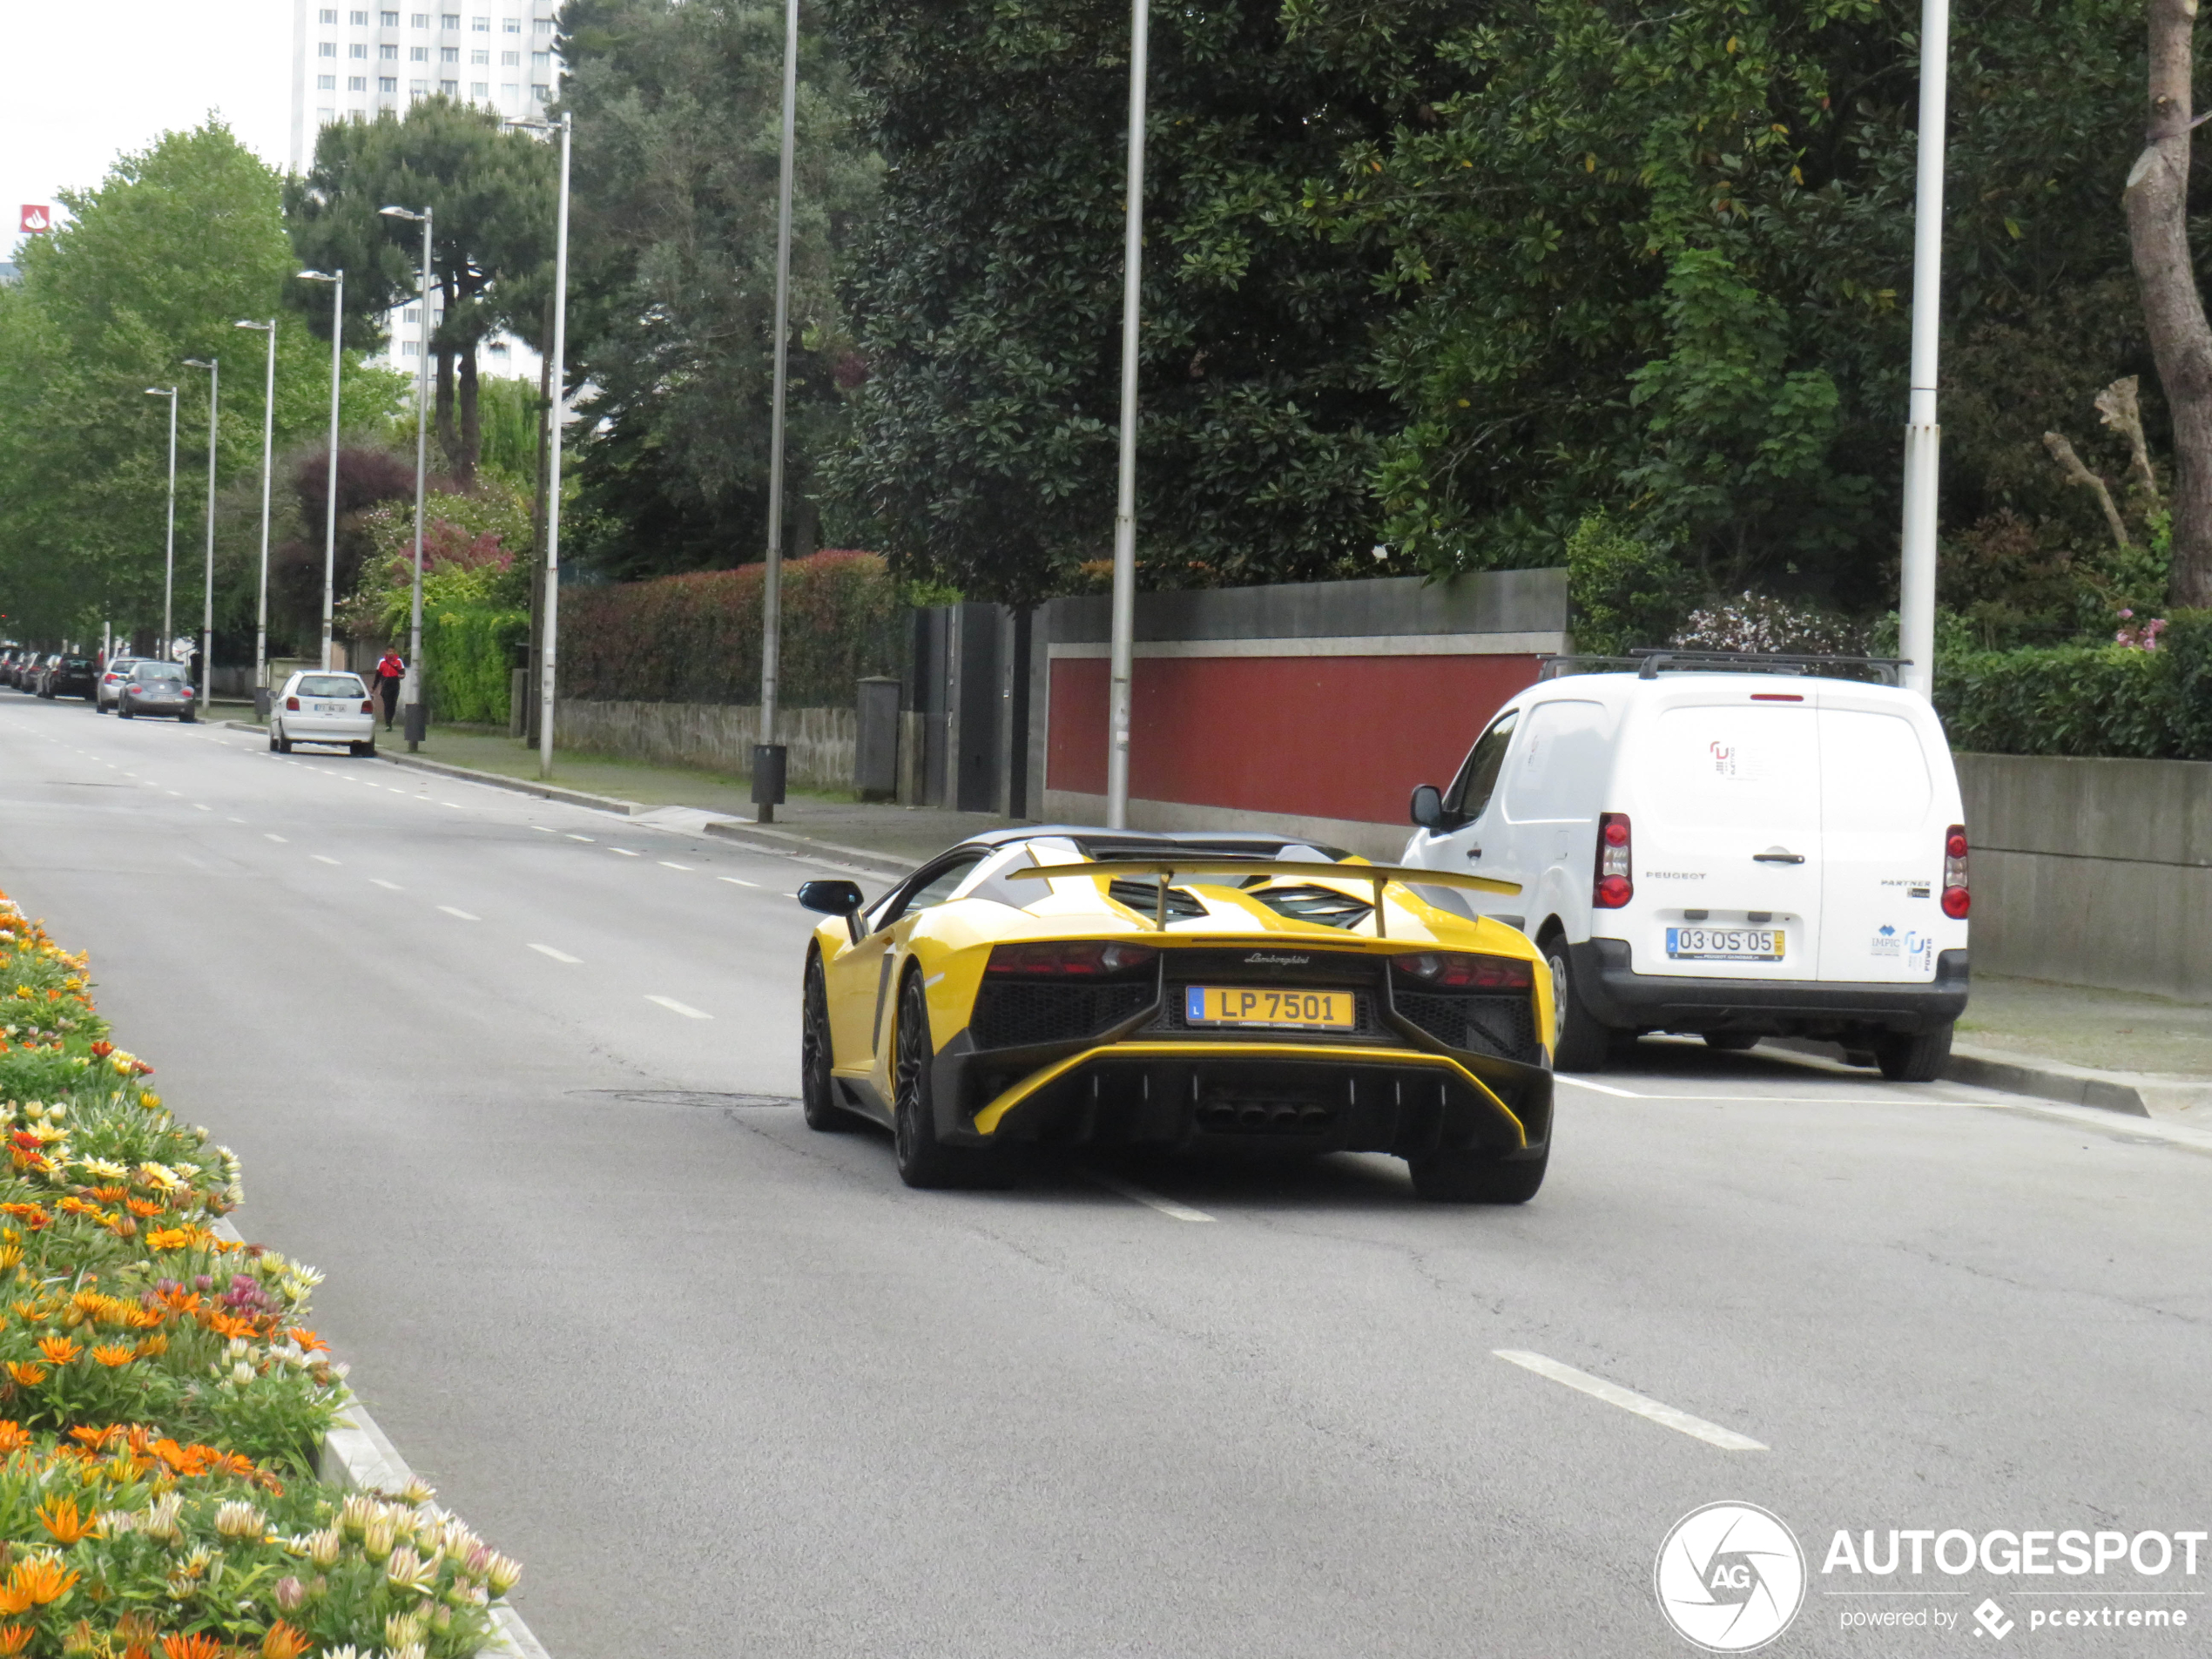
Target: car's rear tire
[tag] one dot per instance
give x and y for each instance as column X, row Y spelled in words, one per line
column 278, row 741
column 362, row 750
column 1913, row 1056
column 1477, row 1177
column 925, row 1160
column 817, row 1089
column 121, row 713
column 189, row 717
column 1579, row 1042
column 1732, row 1041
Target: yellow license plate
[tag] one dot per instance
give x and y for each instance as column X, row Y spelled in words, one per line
column 1298, row 1010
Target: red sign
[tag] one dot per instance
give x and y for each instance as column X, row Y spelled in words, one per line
column 37, row 216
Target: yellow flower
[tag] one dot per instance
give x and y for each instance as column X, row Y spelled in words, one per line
column 114, row 1355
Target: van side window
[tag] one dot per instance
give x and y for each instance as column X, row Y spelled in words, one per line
column 1470, row 790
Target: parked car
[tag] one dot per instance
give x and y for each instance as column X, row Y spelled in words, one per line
column 107, row 693
column 1067, row 986
column 12, row 662
column 1736, row 847
column 68, row 675
column 318, row 707
column 156, row 688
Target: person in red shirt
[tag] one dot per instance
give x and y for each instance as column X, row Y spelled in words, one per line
column 390, row 670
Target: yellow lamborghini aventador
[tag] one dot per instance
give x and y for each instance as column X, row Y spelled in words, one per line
column 1080, row 987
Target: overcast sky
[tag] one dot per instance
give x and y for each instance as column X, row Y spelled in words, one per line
column 86, row 80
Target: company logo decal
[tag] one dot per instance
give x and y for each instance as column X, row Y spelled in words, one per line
column 1992, row 1618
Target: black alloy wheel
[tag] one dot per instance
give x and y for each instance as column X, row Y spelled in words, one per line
column 817, row 1092
column 925, row 1160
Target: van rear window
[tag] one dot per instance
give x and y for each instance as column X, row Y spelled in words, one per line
column 1874, row 775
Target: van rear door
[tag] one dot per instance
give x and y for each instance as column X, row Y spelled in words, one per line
column 1725, row 835
column 1885, row 803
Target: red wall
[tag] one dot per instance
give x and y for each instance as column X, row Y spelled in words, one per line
column 1317, row 737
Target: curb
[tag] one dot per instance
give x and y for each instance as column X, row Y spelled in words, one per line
column 2127, row 1094
column 518, row 786
column 770, row 840
column 357, row 1453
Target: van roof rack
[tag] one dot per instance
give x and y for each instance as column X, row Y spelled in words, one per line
column 1649, row 662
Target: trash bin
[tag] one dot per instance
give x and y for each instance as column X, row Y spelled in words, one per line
column 768, row 759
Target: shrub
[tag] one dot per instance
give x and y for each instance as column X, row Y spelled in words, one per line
column 696, row 639
column 1760, row 621
column 160, row 1401
column 2116, row 700
column 1625, row 592
column 469, row 658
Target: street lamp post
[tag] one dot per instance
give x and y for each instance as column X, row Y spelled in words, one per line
column 549, row 632
column 1124, row 649
column 411, row 688
column 169, row 544
column 330, row 506
column 268, row 456
column 207, row 591
column 772, row 592
column 1917, row 569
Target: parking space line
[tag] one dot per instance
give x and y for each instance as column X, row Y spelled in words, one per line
column 1602, row 1089
column 671, row 864
column 1629, row 1401
column 464, row 914
column 735, row 882
column 1150, row 1200
column 557, row 956
column 674, row 1007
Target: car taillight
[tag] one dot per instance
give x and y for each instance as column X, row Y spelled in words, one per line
column 1070, row 958
column 1461, row 970
column 1615, row 884
column 365, row 708
column 291, row 703
column 1956, row 899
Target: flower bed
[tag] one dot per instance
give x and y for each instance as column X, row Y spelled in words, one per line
column 161, row 1401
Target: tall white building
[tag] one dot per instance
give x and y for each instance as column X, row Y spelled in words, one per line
column 351, row 63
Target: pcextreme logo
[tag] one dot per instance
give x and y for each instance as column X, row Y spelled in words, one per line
column 1729, row 1577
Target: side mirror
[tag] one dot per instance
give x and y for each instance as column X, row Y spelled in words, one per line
column 1427, row 809
column 831, row 898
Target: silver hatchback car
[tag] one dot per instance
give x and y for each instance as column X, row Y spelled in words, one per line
column 319, row 707
column 156, row 688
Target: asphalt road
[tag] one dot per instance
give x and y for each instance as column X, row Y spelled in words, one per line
column 517, row 1077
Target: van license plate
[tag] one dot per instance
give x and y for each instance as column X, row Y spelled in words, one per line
column 1296, row 1010
column 1725, row 944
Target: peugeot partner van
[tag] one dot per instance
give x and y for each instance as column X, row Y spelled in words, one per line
column 1734, row 846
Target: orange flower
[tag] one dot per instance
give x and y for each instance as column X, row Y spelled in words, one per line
column 13, row 1638
column 151, row 1345
column 13, row 1437
column 109, row 1194
column 145, row 1209
column 114, row 1355
column 228, row 1325
column 172, row 1237
column 87, row 1434
column 27, row 1373
column 58, row 1350
column 198, row 1645
column 31, row 1214
column 283, row 1642
column 41, row 1578
column 63, row 1524
column 308, row 1341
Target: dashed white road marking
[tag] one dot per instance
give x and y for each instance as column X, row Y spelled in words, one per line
column 273, row 836
column 1602, row 1089
column 390, row 887
column 674, row 1007
column 320, row 859
column 671, row 864
column 573, row 836
column 464, row 914
column 544, row 829
column 233, row 821
column 1150, row 1200
column 557, row 956
column 1629, row 1401
column 201, row 806
column 735, row 882
column 624, row 851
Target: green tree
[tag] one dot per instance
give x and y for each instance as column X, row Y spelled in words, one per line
column 153, row 266
column 679, row 110
column 989, row 297
column 492, row 196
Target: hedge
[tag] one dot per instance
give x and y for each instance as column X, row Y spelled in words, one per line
column 2086, row 700
column 696, row 639
column 469, row 654
column 161, row 1398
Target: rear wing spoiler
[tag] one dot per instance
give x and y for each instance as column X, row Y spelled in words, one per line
column 1166, row 870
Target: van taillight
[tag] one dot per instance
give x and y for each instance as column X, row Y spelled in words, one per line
column 1956, row 899
column 1616, row 882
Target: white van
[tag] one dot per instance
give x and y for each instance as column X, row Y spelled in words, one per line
column 1738, row 847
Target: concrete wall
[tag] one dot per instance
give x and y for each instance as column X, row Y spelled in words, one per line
column 2092, row 872
column 720, row 736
